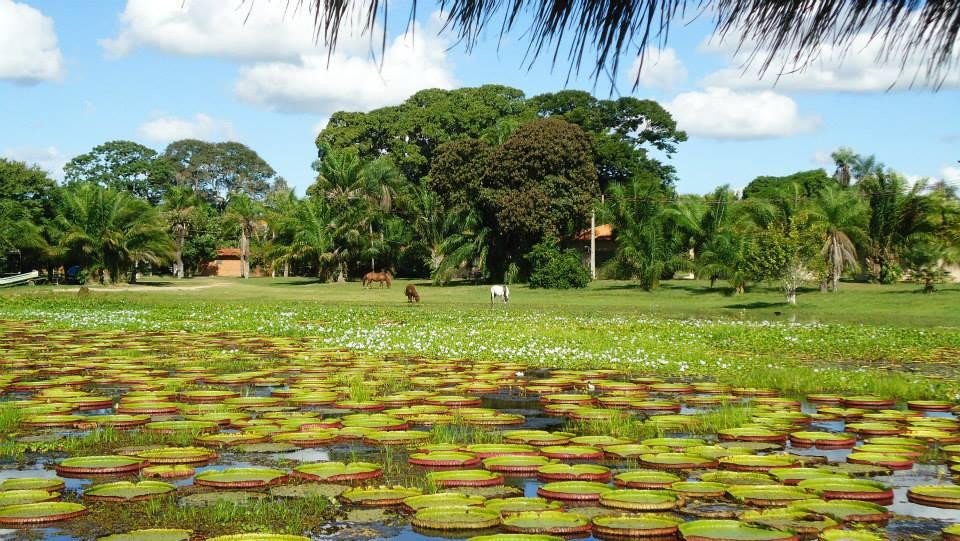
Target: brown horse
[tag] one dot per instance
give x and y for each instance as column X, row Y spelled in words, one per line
column 382, row 277
column 411, row 293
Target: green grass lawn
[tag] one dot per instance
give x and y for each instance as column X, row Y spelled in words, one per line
column 901, row 305
column 887, row 340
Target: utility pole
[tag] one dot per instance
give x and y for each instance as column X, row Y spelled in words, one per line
column 593, row 245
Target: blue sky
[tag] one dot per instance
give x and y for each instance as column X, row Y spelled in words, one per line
column 73, row 75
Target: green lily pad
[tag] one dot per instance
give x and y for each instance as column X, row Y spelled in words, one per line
column 442, row 499
column 637, row 526
column 308, row 490
column 32, row 483
column 506, row 506
column 240, row 477
column 97, row 465
column 573, row 490
column 35, row 513
column 851, row 535
column 845, row 510
column 206, row 499
column 379, row 496
column 725, row 530
column 549, row 522
column 127, row 491
column 259, row 537
column 465, row 478
column 639, row 500
column 34, row 495
column 150, row 535
column 177, row 455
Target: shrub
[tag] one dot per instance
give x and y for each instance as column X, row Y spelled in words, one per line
column 555, row 269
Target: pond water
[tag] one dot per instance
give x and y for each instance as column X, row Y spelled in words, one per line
column 48, row 375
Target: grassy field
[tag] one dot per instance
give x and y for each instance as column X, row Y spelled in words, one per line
column 900, row 305
column 866, row 338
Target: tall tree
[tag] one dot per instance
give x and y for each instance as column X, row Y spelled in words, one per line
column 179, row 209
column 123, row 166
column 247, row 215
column 840, row 217
column 219, row 170
column 111, row 231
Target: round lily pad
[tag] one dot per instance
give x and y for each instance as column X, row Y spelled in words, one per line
column 455, row 518
column 308, row 490
column 32, row 483
column 574, row 452
column 379, row 496
column 150, row 535
column 396, row 437
column 823, row 440
column 573, row 490
column 699, row 489
column 537, row 437
column 312, row 438
column 633, row 450
column 516, row 464
column 29, row 495
column 506, row 506
column 259, row 537
column 943, row 496
column 172, row 471
column 36, row 513
column 465, row 478
column 637, row 526
column 240, row 477
column 170, row 427
column 801, row 522
column 546, row 522
column 726, row 530
column 334, row 472
column 845, row 510
column 768, row 495
column 854, row 535
column 177, row 455
column 444, row 459
column 516, row 537
column 639, row 500
column 757, row 463
column 441, row 499
column 100, row 465
column 645, row 479
column 849, row 489
column 952, row 533
column 676, row 461
column 792, row 476
column 125, row 491
column 574, row 472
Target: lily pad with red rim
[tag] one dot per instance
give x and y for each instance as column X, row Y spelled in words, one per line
column 177, row 455
column 240, row 477
column 126, row 491
column 506, row 506
column 441, row 499
column 727, row 530
column 336, row 472
column 637, row 526
column 259, row 537
column 379, row 496
column 768, row 495
column 639, row 500
column 37, row 513
column 942, row 496
column 150, row 535
column 573, row 490
column 29, row 495
column 574, row 472
column 516, row 464
column 846, row 510
column 647, row 479
column 32, row 483
column 546, row 522
column 444, row 459
column 99, row 465
column 465, row 478
column 849, row 489
column 699, row 489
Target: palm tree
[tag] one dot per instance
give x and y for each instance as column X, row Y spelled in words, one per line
column 725, row 257
column 111, row 231
column 313, row 239
column 247, row 214
column 17, row 231
column 840, row 217
column 179, row 207
column 844, row 158
column 468, row 244
column 649, row 243
column 281, row 209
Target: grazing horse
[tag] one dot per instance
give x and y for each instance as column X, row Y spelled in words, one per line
column 411, row 293
column 499, row 291
column 381, row 277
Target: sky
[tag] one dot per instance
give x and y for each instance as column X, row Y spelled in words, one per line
column 76, row 74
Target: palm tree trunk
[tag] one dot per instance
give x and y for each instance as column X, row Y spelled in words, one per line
column 178, row 254
column 286, row 269
column 837, row 262
column 244, row 254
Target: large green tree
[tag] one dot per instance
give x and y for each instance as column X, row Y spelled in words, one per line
column 108, row 230
column 216, row 171
column 123, row 166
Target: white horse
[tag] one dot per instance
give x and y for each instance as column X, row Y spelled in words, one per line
column 499, row 291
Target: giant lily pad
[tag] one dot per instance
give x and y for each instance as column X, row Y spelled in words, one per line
column 465, row 478
column 516, row 464
column 379, row 496
column 444, row 459
column 637, row 526
column 441, row 499
column 36, row 513
column 455, row 518
column 125, row 491
column 487, row 450
column 801, row 522
column 99, row 465
column 32, row 483
column 645, row 479
column 699, row 489
column 854, row 535
column 396, row 437
column 727, row 530
column 30, row 495
column 849, row 489
column 639, row 500
column 177, row 455
column 757, row 463
column 768, row 495
column 573, row 490
column 259, row 537
column 240, row 477
column 334, row 472
column 943, row 496
column 676, row 461
column 574, row 472
column 149, row 535
column 845, row 510
column 546, row 522
column 506, row 506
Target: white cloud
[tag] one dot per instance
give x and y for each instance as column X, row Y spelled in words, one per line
column 28, row 42
column 822, row 158
column 661, row 69
column 860, row 67
column 950, row 173
column 49, row 159
column 348, row 82
column 261, row 30
column 721, row 113
column 164, row 128
column 319, row 126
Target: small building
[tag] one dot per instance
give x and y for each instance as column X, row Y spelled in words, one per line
column 606, row 247
column 227, row 263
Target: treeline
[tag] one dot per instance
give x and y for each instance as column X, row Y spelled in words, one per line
column 482, row 183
